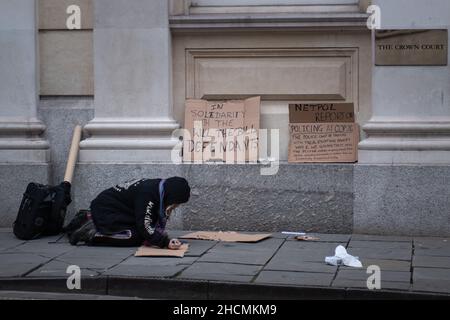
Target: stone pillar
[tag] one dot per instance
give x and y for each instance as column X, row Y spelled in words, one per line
column 410, row 123
column 133, row 100
column 24, row 155
column 400, row 183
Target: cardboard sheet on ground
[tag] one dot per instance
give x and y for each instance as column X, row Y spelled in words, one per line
column 145, row 251
column 226, row 236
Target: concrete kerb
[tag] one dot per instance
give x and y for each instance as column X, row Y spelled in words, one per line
column 176, row 289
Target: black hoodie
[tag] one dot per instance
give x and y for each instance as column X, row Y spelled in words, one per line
column 134, row 205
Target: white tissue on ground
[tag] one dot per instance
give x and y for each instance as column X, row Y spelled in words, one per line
column 342, row 257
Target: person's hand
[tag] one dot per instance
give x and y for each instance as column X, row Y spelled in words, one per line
column 174, row 244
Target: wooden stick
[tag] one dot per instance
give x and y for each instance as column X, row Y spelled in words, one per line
column 73, row 154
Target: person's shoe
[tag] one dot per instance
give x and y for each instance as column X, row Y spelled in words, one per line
column 83, row 234
column 80, row 218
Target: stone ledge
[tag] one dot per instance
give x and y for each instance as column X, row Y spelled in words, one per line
column 222, row 194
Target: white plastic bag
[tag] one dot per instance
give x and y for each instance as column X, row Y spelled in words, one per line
column 342, row 257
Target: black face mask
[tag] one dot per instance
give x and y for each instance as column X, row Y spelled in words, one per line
column 176, row 190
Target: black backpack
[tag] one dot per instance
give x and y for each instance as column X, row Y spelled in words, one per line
column 42, row 210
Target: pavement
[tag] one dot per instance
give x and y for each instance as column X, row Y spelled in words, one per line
column 276, row 268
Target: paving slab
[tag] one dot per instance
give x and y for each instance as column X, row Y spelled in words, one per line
column 281, row 263
column 58, row 269
column 361, row 274
column 99, row 252
column 244, row 253
column 441, row 252
column 365, row 237
column 221, row 272
column 150, row 267
column 431, row 273
column 102, row 258
column 308, row 257
column 431, row 262
column 381, row 253
column 158, row 261
column 49, row 239
column 295, row 278
column 7, row 234
column 340, row 238
column 309, row 245
column 8, row 245
column 385, row 265
column 18, row 264
column 49, row 250
column 305, row 251
column 91, row 263
column 314, row 256
column 303, row 257
column 325, row 247
column 432, row 285
column 431, row 243
column 198, row 247
column 385, row 285
column 380, row 244
column 8, row 240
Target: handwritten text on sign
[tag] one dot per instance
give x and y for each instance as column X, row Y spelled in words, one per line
column 318, row 142
column 222, row 130
column 321, row 112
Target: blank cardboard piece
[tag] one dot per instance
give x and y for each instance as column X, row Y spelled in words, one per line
column 145, row 251
column 226, row 236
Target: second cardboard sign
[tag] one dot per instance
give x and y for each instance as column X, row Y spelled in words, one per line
column 323, row 133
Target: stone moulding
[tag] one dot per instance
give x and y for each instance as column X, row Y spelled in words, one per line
column 270, row 21
column 406, row 136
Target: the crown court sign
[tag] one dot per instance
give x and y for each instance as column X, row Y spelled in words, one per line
column 411, row 47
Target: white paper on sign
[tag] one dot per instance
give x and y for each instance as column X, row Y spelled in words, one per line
column 342, row 257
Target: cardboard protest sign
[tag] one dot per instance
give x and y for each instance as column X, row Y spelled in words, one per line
column 223, row 131
column 323, row 142
column 323, row 133
column 145, row 251
column 227, row 236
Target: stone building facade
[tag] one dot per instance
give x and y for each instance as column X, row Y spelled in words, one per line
column 125, row 74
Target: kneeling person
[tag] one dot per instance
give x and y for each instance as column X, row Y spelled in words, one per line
column 131, row 214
